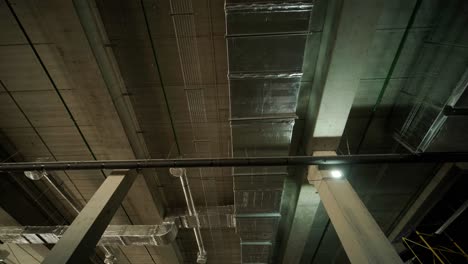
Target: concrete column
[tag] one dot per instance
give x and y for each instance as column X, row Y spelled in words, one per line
column 360, row 235
column 80, row 239
column 307, row 205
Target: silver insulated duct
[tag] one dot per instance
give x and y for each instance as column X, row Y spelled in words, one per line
column 266, row 43
column 115, row 235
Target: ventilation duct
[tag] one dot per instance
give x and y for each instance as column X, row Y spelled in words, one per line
column 266, row 43
column 432, row 107
column 208, row 217
column 115, row 235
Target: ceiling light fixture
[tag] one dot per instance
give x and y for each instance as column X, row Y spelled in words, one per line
column 35, row 175
column 336, row 174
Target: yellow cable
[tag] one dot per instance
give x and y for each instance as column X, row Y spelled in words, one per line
column 446, row 249
column 430, row 248
column 442, row 254
column 416, row 243
column 460, row 248
column 426, row 234
column 404, row 241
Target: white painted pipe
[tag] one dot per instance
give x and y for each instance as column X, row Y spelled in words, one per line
column 181, row 173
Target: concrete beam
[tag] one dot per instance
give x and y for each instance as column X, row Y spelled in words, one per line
column 303, row 220
column 359, row 233
column 307, row 205
column 81, row 238
column 318, row 231
column 432, row 193
column 348, row 32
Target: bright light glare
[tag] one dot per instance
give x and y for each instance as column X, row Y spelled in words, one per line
column 336, row 174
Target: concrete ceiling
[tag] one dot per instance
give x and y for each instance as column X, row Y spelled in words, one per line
column 172, row 78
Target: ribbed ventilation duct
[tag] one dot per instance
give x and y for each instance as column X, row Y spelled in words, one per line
column 432, row 104
column 266, row 42
column 115, row 235
column 428, row 116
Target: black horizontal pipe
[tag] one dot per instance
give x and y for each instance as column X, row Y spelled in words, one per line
column 455, row 111
column 238, row 162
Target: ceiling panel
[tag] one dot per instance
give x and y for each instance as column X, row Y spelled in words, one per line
column 27, row 142
column 263, row 20
column 43, row 108
column 252, row 182
column 257, row 229
column 20, row 70
column 264, row 97
column 257, row 201
column 281, row 54
column 63, row 140
column 261, row 137
column 11, row 116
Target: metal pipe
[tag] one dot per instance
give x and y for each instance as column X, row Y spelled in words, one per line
column 182, row 175
column 452, row 218
column 188, row 194
column 61, row 193
column 426, row 157
column 201, row 258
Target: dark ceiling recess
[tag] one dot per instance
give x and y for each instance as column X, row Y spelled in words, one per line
column 19, row 205
column 450, row 245
column 22, row 199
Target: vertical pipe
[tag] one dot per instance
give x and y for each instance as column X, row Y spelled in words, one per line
column 192, row 211
column 181, row 173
